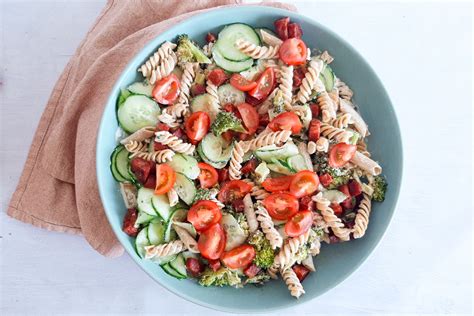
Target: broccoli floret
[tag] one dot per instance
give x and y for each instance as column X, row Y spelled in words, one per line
column 226, row 121
column 188, row 51
column 339, row 176
column 264, row 253
column 202, row 194
column 221, row 277
column 259, row 279
column 380, row 187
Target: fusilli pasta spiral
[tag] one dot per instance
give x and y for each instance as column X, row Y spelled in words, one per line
column 362, row 218
column 257, row 191
column 344, row 91
column 164, row 250
column 338, row 134
column 286, row 85
column 322, row 144
column 309, row 81
column 163, row 69
column 267, row 226
column 211, row 89
column 286, row 256
column 135, row 147
column 236, row 158
column 327, row 106
column 294, row 285
column 173, row 142
column 161, row 54
column 255, row 51
column 273, row 138
column 159, row 156
column 331, row 219
column 342, row 121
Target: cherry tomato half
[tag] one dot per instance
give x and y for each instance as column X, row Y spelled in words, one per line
column 265, row 84
column 204, row 214
column 340, row 154
column 208, row 176
column 233, row 190
column 286, row 121
column 242, row 84
column 165, row 178
column 299, row 223
column 239, row 257
column 301, row 271
column 211, row 242
column 304, row 183
column 277, row 184
column 293, row 51
column 281, row 206
column 249, row 116
column 197, row 126
column 166, row 90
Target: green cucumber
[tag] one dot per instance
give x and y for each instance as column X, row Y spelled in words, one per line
column 231, row 66
column 122, row 163
column 297, row 163
column 280, row 166
column 141, row 242
column 215, row 150
column 203, row 102
column 179, row 265
column 117, row 176
column 143, row 218
column 161, row 205
column 186, row 165
column 178, row 215
column 169, row 270
column 228, row 94
column 136, row 112
column 144, row 203
column 230, row 34
column 328, row 78
column 272, row 151
column 156, row 232
column 334, row 196
column 124, row 94
column 235, row 235
column 143, row 88
column 185, row 188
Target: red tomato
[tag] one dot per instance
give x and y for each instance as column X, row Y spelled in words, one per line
column 197, row 126
column 159, row 146
column 294, row 30
column 197, row 89
column 325, row 179
column 306, row 203
column 208, row 176
column 293, row 51
column 263, row 120
column 166, row 90
column 277, row 184
column 211, row 242
column 249, row 166
column 252, row 270
column 249, row 117
column 228, row 136
column 344, row 189
column 298, row 75
column 217, row 76
column 141, row 168
column 165, row 178
column 203, row 214
column 299, row 223
column 253, row 101
column 194, row 267
column 210, row 37
column 354, row 188
column 281, row 206
column 314, row 130
column 265, row 84
column 336, row 208
column 162, row 127
column 301, row 271
column 286, row 121
column 214, row 264
column 223, row 174
column 129, row 220
column 233, row 190
column 304, row 183
column 349, row 203
column 314, row 110
column 239, row 257
column 238, row 205
column 340, row 154
column 281, row 27
column 242, row 84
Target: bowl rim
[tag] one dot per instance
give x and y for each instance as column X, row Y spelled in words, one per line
column 151, row 46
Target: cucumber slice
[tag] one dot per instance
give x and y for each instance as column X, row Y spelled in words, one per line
column 161, row 205
column 179, row 265
column 235, row 236
column 141, row 242
column 278, row 167
column 215, row 149
column 156, row 232
column 230, row 34
column 186, row 165
column 334, row 196
column 143, row 218
column 217, row 165
column 117, row 176
column 188, row 254
column 163, row 260
column 297, row 163
column 327, row 77
column 251, row 73
column 178, row 215
column 144, row 197
column 143, row 88
column 124, row 94
column 228, row 94
column 231, row 66
column 122, row 164
column 169, row 270
column 203, row 102
column 136, row 112
column 272, row 151
column 185, row 188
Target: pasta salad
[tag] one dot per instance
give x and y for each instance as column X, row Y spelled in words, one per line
column 236, row 160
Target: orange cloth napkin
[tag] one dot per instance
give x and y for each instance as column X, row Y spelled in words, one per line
column 58, row 187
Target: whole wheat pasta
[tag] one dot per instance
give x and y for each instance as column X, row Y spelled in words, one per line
column 255, row 51
column 328, row 108
column 172, row 197
column 322, row 144
column 273, row 138
column 129, row 194
column 362, row 218
column 135, row 147
column 357, row 121
column 334, row 95
column 185, row 84
column 236, row 158
column 161, row 54
column 366, row 164
column 257, row 191
column 311, row 147
column 338, row 134
column 171, row 248
column 168, row 117
column 326, row 58
column 163, row 69
column 250, row 215
column 342, row 121
column 309, row 81
column 173, row 142
column 292, row 282
column 140, row 135
column 331, row 219
column 286, row 85
column 270, row 39
column 286, row 257
column 318, row 221
column 189, row 242
column 344, row 91
column 267, row 226
column 159, row 156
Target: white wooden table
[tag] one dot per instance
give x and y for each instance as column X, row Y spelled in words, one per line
column 423, row 54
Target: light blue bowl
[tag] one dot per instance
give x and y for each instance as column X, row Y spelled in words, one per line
column 336, row 262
